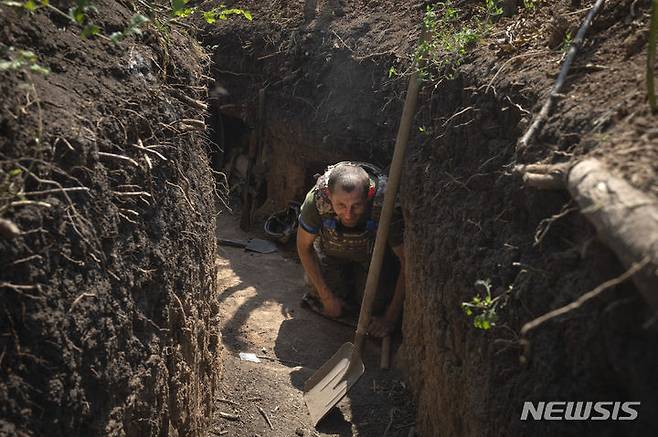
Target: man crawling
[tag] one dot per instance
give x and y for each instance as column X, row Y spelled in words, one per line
column 337, row 228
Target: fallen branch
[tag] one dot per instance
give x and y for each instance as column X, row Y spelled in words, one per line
column 625, row 218
column 582, row 299
column 228, row 416
column 226, row 401
column 571, row 54
column 264, row 414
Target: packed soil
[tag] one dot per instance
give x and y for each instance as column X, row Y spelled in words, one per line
column 262, row 315
column 107, row 315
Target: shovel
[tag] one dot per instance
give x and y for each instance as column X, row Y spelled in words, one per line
column 252, row 245
column 331, row 382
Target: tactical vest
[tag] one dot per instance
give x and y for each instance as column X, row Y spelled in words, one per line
column 345, row 243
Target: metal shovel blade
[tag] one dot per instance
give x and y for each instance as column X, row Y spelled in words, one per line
column 253, row 245
column 330, row 383
column 260, row 246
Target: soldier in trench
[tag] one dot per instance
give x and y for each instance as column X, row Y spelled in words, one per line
column 337, row 227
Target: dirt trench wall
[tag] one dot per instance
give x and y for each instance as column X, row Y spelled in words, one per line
column 108, row 316
column 468, row 219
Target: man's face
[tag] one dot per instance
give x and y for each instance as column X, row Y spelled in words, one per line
column 349, row 207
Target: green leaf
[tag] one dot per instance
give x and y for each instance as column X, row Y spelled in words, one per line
column 77, row 14
column 138, row 20
column 209, row 17
column 27, row 55
column 248, row 15
column 31, row 5
column 90, row 30
column 184, row 13
column 15, row 172
column 177, row 5
column 36, row 68
column 117, row 36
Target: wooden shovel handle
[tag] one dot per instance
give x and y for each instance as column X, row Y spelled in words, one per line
column 381, row 238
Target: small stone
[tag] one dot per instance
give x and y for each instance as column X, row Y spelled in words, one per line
column 300, row 432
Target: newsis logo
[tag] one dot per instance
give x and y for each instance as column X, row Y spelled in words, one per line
column 581, row 410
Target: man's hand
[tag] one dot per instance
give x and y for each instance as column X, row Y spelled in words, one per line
column 333, row 306
column 380, row 327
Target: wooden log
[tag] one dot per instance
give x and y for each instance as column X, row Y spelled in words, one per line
column 626, row 220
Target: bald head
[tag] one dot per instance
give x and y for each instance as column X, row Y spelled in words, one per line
column 348, row 178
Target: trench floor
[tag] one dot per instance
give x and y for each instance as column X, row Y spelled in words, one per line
column 261, row 314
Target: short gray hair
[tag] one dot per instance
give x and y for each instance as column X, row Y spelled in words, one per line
column 348, row 177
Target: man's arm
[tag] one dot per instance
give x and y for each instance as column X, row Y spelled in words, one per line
column 332, row 305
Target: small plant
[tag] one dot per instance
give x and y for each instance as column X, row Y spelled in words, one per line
column 133, row 28
column 566, row 42
column 10, row 184
column 483, row 308
column 446, row 40
column 392, row 72
column 531, row 4
column 179, row 9
column 493, row 9
column 222, row 13
column 20, row 59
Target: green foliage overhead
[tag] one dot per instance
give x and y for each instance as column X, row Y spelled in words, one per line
column 447, row 39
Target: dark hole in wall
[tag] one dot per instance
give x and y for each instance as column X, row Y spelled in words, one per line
column 231, row 136
column 234, row 138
